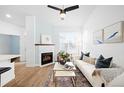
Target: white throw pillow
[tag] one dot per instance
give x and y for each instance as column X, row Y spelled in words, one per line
column 117, row 82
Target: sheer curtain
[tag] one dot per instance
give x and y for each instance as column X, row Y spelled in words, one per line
column 70, row 42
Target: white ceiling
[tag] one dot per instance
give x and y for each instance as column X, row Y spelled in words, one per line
column 76, row 17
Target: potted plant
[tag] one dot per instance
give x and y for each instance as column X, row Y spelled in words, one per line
column 63, row 57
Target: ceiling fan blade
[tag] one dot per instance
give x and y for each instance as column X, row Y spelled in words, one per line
column 56, row 8
column 71, row 8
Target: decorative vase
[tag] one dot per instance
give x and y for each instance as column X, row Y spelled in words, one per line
column 62, row 62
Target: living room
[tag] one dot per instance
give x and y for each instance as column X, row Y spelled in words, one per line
column 45, row 32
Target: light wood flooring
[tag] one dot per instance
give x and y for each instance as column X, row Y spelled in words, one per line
column 29, row 76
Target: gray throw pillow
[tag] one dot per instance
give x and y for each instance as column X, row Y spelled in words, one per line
column 103, row 62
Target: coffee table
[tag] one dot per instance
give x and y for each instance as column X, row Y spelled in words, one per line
column 60, row 71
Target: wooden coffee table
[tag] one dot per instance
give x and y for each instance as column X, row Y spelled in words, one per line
column 60, row 71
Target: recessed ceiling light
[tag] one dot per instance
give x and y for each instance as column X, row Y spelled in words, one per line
column 8, row 16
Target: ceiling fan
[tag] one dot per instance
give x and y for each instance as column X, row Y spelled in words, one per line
column 64, row 10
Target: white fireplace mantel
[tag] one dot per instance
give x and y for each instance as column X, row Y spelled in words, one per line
column 42, row 48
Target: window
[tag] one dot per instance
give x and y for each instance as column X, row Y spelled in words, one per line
column 70, row 42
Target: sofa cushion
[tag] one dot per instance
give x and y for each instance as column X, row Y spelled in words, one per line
column 103, row 62
column 100, row 58
column 89, row 60
column 85, row 67
column 86, row 54
column 4, row 69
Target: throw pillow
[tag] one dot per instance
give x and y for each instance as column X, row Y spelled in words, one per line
column 101, row 57
column 92, row 61
column 89, row 60
column 86, row 59
column 103, row 62
column 86, row 54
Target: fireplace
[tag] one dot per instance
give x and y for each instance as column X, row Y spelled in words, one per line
column 46, row 58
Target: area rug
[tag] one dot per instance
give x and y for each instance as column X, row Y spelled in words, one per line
column 81, row 81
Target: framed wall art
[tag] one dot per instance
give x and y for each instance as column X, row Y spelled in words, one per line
column 113, row 33
column 46, row 39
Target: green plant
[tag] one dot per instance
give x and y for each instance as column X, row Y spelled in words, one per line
column 64, row 55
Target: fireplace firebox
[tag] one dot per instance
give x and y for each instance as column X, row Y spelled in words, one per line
column 46, row 58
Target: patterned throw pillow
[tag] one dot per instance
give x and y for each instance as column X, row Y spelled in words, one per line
column 89, row 60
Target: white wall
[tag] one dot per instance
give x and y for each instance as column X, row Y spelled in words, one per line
column 42, row 28
column 101, row 17
column 30, row 40
column 23, row 47
column 10, row 29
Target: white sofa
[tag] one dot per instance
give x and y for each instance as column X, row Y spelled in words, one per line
column 98, row 77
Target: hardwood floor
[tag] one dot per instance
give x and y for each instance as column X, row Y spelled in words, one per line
column 29, row 76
